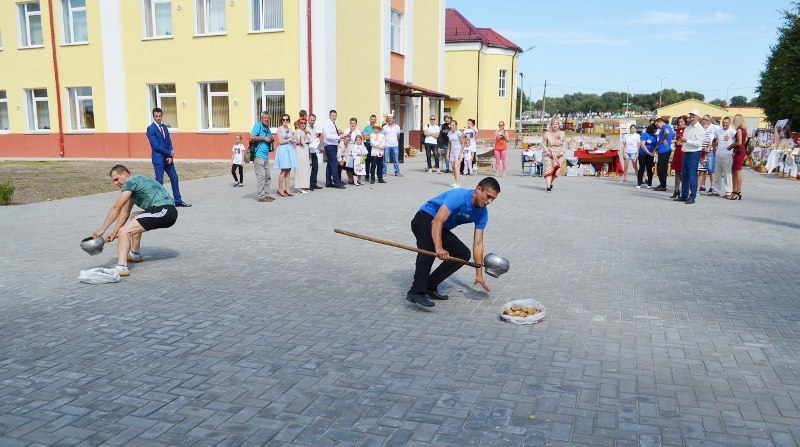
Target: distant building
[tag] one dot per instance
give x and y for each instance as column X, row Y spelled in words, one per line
column 754, row 117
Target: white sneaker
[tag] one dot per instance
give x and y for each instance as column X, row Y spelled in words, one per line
column 438, row 171
column 429, row 171
column 638, row 186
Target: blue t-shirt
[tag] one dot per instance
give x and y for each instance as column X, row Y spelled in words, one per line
column 649, row 142
column 459, row 202
column 260, row 130
column 665, row 136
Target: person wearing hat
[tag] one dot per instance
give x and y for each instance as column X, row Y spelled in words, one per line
column 692, row 140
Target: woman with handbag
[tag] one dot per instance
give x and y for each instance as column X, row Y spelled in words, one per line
column 285, row 159
column 739, row 154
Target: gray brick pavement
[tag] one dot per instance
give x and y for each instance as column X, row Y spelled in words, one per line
column 254, row 324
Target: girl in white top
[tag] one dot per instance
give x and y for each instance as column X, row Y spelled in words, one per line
column 630, row 141
column 470, row 132
column 378, row 141
column 302, row 175
column 236, row 163
column 456, row 145
column 358, row 152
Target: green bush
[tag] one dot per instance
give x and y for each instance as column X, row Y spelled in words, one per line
column 6, row 193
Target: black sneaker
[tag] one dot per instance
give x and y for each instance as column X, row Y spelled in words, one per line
column 419, row 298
column 702, row 188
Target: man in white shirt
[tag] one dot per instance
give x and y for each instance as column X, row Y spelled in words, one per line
column 431, row 132
column 692, row 140
column 331, row 135
column 315, row 134
column 707, row 155
column 392, row 131
column 725, row 138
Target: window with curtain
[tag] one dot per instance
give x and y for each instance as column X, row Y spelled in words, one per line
column 74, row 18
column 269, row 96
column 3, row 111
column 38, row 109
column 30, row 25
column 164, row 96
column 157, row 18
column 81, row 108
column 266, row 15
column 210, row 16
column 502, row 91
column 397, row 32
column 215, row 110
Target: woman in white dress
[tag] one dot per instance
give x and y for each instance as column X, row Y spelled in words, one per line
column 302, row 175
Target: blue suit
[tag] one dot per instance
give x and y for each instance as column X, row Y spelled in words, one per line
column 161, row 145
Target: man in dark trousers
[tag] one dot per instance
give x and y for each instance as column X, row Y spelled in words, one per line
column 163, row 161
column 432, row 227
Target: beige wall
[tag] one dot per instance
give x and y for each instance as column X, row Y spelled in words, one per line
column 359, row 79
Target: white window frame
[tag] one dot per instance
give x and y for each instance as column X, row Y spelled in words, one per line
column 265, row 5
column 4, row 104
column 68, row 18
column 264, row 93
column 205, row 92
column 502, row 90
column 150, row 11
column 75, row 116
column 25, row 24
column 396, row 28
column 153, row 90
column 202, row 21
column 32, row 109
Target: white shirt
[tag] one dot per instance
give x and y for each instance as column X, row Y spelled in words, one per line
column 694, row 135
column 353, row 134
column 315, row 141
column 330, row 134
column 237, row 150
column 455, row 143
column 631, row 142
column 391, row 133
column 711, row 135
column 432, row 128
column 470, row 133
column 724, row 139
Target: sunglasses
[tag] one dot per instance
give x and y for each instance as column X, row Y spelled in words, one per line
column 286, row 119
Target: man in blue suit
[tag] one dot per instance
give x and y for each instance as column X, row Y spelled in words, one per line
column 161, row 145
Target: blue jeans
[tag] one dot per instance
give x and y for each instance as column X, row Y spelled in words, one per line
column 393, row 153
column 333, row 175
column 173, row 179
column 712, row 163
column 689, row 175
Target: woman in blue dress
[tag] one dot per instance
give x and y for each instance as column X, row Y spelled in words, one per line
column 285, row 157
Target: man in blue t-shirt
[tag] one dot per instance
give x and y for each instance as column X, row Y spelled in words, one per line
column 665, row 134
column 431, row 226
column 647, row 148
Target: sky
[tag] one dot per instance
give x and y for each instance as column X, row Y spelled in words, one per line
column 715, row 48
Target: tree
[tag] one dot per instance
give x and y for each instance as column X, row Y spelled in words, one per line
column 777, row 87
column 739, row 100
column 718, row 102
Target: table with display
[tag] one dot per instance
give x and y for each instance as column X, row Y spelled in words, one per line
column 597, row 158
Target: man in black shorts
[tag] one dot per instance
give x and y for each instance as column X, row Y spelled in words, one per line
column 147, row 194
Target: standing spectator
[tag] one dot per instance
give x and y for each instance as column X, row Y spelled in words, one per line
column 162, row 155
column 285, row 158
column 262, row 133
column 470, row 134
column 708, row 161
column 302, row 114
column 692, row 140
column 359, row 151
column 351, row 133
column 501, row 150
column 366, row 132
column 664, row 146
column 647, row 148
column 677, row 159
column 392, row 131
column 302, row 174
column 553, row 151
column 376, row 162
column 457, row 147
column 333, row 175
column 739, row 153
column 630, row 142
column 431, row 132
column 237, row 161
column 444, row 141
column 726, row 137
column 313, row 148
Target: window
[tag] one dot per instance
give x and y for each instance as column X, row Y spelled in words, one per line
column 397, row 32
column 210, row 16
column 75, row 28
column 269, row 96
column 38, row 109
column 3, row 111
column 30, row 25
column 163, row 96
column 81, row 108
column 157, row 18
column 502, row 90
column 214, row 109
column 267, row 15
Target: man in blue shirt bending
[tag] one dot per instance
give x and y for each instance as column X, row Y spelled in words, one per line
column 432, row 227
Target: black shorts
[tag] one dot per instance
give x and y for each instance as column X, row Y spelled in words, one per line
column 158, row 217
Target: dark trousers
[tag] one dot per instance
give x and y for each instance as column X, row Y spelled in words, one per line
column 424, row 280
column 432, row 150
column 314, row 170
column 645, row 165
column 333, row 174
column 367, row 160
column 240, row 169
column 663, row 168
column 173, row 179
column 375, row 164
column 689, row 175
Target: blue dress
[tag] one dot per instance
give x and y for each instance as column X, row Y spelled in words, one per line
column 285, row 157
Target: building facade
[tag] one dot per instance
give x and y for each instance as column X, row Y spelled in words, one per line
column 753, row 116
column 81, row 79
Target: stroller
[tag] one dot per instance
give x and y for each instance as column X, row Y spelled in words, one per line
column 532, row 162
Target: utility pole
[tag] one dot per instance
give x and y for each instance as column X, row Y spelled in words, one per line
column 519, row 120
column 727, row 95
column 544, row 97
column 661, row 89
column 628, row 97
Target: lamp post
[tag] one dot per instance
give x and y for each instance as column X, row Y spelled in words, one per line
column 660, row 89
column 628, row 97
column 519, row 120
column 727, row 94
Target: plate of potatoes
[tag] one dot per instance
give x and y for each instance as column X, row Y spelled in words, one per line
column 528, row 311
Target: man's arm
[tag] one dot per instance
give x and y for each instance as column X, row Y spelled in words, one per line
column 114, row 212
column 436, row 232
column 121, row 220
column 155, row 145
column 477, row 250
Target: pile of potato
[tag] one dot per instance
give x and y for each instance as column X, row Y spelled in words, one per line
column 521, row 311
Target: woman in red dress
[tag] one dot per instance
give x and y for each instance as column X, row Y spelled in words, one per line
column 739, row 153
column 677, row 157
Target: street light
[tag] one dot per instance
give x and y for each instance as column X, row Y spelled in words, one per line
column 521, row 84
column 727, row 94
column 628, row 97
column 660, row 89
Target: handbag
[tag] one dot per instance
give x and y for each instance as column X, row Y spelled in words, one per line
column 250, row 154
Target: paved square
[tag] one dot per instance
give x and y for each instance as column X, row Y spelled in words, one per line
column 254, row 324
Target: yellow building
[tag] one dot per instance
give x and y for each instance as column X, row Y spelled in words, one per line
column 87, row 85
column 481, row 68
column 754, row 116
